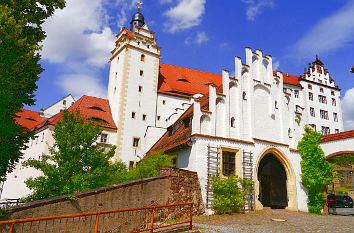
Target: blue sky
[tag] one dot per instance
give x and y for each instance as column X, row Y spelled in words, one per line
column 202, row 34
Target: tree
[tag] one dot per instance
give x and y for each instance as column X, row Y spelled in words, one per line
column 20, row 36
column 75, row 163
column 317, row 173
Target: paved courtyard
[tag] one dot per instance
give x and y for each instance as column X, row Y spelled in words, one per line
column 269, row 220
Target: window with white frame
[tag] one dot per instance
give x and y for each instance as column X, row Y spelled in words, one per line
column 325, row 130
column 104, row 138
column 324, row 114
column 296, row 93
column 136, row 142
column 310, row 96
column 334, row 102
column 335, row 117
column 312, row 112
column 322, row 99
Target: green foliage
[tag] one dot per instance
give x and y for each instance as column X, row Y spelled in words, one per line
column 75, row 163
column 347, row 159
column 230, row 193
column 317, row 173
column 20, row 35
column 150, row 166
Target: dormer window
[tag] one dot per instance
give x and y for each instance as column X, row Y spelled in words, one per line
column 183, row 80
column 97, row 108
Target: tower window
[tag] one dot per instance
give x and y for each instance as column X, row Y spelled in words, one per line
column 133, row 115
column 64, row 102
column 337, row 130
column 116, row 74
column 296, row 93
column 140, row 88
column 144, row 117
column 332, row 92
column 141, row 72
column 324, row 114
column 233, row 122
column 148, row 46
column 244, row 97
column 136, row 142
column 115, row 89
column 138, row 42
column 309, row 87
column 158, row 118
column 142, row 57
column 335, row 117
column 163, row 102
column 321, row 90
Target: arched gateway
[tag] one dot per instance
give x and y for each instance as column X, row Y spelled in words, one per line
column 275, row 184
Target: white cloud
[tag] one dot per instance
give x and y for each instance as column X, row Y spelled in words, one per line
column 79, row 41
column 329, row 34
column 256, row 7
column 224, row 45
column 348, row 109
column 186, row 14
column 79, row 85
column 198, row 39
column 276, row 63
column 78, row 32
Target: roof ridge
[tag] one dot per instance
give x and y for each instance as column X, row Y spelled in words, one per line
column 189, row 68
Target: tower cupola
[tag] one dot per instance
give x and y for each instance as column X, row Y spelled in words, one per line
column 138, row 18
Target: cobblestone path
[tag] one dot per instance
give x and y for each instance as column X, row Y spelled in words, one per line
column 261, row 221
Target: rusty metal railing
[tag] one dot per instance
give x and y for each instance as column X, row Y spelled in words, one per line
column 144, row 219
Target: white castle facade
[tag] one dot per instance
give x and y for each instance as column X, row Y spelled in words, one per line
column 248, row 125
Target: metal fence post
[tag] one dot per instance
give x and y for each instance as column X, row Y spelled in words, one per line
column 96, row 224
column 152, row 220
column 191, row 217
column 11, row 228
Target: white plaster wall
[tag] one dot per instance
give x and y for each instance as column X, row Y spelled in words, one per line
column 14, row 186
column 321, row 106
column 195, row 159
column 62, row 104
column 337, row 146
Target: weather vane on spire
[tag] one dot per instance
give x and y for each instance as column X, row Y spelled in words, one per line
column 139, row 5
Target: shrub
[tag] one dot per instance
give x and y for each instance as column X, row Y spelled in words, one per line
column 229, row 194
column 150, row 166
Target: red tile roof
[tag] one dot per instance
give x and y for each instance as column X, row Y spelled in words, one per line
column 29, row 119
column 338, row 136
column 289, row 78
column 90, row 108
column 185, row 81
column 181, row 132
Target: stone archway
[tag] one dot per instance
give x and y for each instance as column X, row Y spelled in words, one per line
column 287, row 196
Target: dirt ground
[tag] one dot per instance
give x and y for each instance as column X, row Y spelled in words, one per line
column 273, row 220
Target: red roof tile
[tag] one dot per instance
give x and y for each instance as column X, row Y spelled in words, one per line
column 289, row 79
column 180, row 80
column 29, row 119
column 90, row 108
column 338, row 136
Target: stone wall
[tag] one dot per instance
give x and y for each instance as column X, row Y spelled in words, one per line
column 173, row 186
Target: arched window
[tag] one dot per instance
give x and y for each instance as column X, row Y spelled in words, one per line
column 233, row 122
column 142, row 57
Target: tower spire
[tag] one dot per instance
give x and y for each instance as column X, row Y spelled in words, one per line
column 139, row 4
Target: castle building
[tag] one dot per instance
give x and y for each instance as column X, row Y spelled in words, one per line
column 248, row 125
